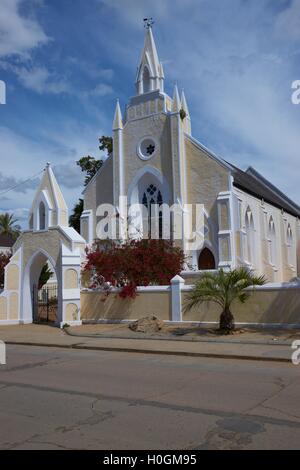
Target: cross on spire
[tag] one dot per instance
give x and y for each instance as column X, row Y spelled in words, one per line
column 148, row 22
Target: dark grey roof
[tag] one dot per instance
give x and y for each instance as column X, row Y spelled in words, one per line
column 6, row 240
column 255, row 184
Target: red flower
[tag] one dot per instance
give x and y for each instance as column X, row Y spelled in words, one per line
column 135, row 263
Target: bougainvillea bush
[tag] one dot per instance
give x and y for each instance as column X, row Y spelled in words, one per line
column 133, row 263
column 4, row 260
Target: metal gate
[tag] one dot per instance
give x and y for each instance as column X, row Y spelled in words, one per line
column 44, row 304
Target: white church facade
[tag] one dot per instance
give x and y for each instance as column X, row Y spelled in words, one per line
column 156, row 159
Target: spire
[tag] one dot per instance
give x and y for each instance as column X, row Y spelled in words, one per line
column 176, row 106
column 162, row 74
column 184, row 105
column 55, row 210
column 117, row 123
column 150, row 73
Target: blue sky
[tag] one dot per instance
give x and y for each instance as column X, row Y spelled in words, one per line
column 65, row 62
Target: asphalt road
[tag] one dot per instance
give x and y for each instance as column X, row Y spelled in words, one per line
column 67, row 399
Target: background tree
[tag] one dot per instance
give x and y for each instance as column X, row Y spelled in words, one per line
column 45, row 275
column 74, row 219
column 106, row 143
column 223, row 288
column 89, row 165
column 8, row 225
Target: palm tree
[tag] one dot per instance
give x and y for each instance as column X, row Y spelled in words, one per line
column 45, row 275
column 223, row 288
column 8, row 225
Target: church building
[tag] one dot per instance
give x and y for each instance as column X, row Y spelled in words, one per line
column 156, row 159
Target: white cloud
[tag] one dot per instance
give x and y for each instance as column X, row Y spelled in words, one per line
column 19, row 213
column 236, row 74
column 287, row 24
column 93, row 70
column 62, row 144
column 102, row 89
column 40, row 80
column 20, row 184
column 237, row 79
column 69, row 175
column 19, row 35
column 106, row 74
column 228, row 56
column 133, row 11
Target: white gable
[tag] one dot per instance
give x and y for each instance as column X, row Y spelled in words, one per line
column 49, row 208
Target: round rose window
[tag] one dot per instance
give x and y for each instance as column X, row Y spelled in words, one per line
column 147, row 148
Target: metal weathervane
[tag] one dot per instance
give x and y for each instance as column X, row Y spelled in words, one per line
column 148, row 23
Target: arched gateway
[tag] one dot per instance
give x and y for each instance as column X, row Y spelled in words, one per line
column 49, row 241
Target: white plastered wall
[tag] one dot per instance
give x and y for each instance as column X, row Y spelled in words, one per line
column 281, row 270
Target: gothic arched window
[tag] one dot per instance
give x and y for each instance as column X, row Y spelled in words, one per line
column 250, row 239
column 146, row 80
column 289, row 244
column 152, row 200
column 272, row 241
column 42, row 216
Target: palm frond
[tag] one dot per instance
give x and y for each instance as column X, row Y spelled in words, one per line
column 223, row 287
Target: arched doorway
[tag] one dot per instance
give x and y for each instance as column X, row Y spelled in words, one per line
column 40, row 297
column 206, row 260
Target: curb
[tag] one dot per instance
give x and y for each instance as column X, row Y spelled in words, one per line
column 194, row 341
column 80, row 346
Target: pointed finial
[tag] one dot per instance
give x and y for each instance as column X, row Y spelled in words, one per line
column 162, row 74
column 176, row 106
column 117, row 123
column 184, row 103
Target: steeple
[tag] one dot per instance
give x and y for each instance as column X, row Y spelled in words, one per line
column 150, row 74
column 49, row 208
column 176, row 106
column 187, row 118
column 184, row 105
column 117, row 123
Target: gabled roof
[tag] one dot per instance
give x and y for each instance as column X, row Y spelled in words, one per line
column 252, row 182
column 255, row 184
column 208, row 152
column 50, row 186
